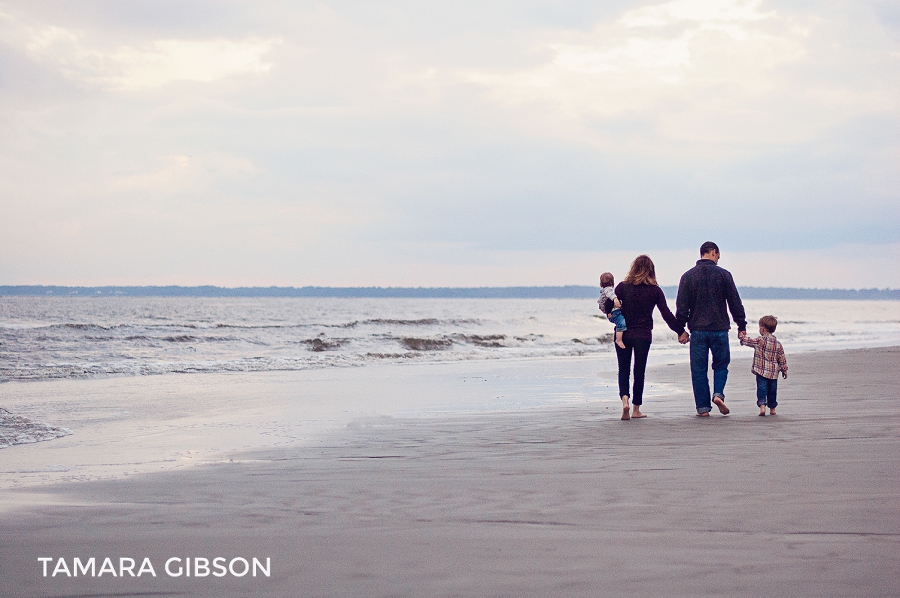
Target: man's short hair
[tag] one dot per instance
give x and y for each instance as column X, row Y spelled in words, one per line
column 708, row 247
column 769, row 323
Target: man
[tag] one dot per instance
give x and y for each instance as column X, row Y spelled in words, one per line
column 703, row 294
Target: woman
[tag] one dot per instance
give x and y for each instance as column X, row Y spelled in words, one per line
column 639, row 294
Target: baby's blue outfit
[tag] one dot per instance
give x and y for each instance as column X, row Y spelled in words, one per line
column 615, row 316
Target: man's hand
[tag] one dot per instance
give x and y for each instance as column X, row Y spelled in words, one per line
column 742, row 334
column 684, row 337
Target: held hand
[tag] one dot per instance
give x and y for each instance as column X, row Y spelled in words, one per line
column 617, row 303
column 742, row 334
column 684, row 337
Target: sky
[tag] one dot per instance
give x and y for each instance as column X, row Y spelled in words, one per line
column 408, row 143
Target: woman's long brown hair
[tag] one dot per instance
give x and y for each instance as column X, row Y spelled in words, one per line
column 642, row 271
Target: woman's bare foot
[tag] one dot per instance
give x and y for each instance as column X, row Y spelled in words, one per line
column 762, row 411
column 619, row 342
column 626, row 408
column 636, row 413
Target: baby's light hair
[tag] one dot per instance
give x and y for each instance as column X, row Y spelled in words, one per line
column 769, row 323
column 606, row 279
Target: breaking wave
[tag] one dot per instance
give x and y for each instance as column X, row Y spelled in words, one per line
column 45, row 338
column 17, row 429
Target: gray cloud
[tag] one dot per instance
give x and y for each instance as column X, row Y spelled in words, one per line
column 342, row 143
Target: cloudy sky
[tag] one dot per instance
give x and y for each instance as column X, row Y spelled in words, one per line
column 411, row 143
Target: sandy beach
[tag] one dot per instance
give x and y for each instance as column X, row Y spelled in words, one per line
column 560, row 500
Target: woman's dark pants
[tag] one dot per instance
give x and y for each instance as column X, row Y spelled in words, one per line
column 766, row 392
column 640, row 348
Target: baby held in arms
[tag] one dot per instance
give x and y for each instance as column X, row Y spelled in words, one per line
column 610, row 305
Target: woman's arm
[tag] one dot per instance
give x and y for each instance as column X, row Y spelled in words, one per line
column 618, row 292
column 667, row 314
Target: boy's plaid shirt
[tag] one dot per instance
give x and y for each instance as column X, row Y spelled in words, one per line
column 768, row 357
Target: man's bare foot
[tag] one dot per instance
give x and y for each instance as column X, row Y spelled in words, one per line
column 636, row 414
column 723, row 409
column 706, row 414
column 772, row 412
column 619, row 342
column 762, row 411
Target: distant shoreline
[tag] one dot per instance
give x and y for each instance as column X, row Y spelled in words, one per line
column 543, row 292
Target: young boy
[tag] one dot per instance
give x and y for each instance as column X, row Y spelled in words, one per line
column 768, row 360
column 612, row 309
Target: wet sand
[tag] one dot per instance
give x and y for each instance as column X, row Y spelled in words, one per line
column 556, row 501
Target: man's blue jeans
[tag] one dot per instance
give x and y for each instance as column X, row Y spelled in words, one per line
column 702, row 343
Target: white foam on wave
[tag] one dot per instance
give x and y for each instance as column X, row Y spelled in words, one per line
column 17, row 429
column 98, row 338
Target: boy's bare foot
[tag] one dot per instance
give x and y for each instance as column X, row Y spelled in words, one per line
column 723, row 409
column 762, row 411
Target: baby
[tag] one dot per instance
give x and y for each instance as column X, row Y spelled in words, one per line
column 613, row 308
column 768, row 361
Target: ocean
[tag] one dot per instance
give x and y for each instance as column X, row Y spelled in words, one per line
column 71, row 338
column 44, row 338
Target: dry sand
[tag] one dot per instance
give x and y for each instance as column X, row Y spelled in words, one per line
column 561, row 501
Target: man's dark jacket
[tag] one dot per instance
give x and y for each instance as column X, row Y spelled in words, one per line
column 703, row 293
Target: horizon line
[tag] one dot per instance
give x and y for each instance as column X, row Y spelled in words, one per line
column 519, row 291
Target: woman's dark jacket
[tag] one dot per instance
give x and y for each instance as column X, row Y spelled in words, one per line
column 638, row 301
